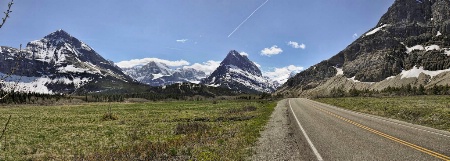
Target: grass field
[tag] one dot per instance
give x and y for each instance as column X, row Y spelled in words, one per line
column 225, row 130
column 432, row 111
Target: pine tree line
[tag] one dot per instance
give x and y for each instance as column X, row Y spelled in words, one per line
column 405, row 90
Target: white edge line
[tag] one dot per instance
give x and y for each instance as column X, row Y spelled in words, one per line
column 313, row 148
column 400, row 123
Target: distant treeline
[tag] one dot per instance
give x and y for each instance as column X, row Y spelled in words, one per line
column 30, row 97
column 48, row 99
column 407, row 90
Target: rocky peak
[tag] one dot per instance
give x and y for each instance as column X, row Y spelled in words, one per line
column 234, row 58
column 417, row 11
column 59, row 45
column 60, row 37
column 156, row 68
column 237, row 72
column 58, row 34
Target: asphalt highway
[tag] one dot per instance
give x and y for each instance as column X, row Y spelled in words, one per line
column 330, row 133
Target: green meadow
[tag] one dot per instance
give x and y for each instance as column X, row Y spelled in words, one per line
column 178, row 130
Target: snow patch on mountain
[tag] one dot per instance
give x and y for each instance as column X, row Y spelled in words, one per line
column 72, row 69
column 39, row 84
column 421, row 48
column 432, row 47
column 411, row 49
column 375, row 30
column 447, row 52
column 339, row 71
column 415, row 72
column 357, row 81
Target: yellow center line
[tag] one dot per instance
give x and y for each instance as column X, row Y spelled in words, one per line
column 413, row 146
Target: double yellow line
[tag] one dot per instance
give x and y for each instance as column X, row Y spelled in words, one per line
column 416, row 147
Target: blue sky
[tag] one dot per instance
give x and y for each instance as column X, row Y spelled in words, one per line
column 196, row 31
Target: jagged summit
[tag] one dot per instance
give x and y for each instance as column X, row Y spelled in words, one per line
column 60, row 33
column 234, row 58
column 418, row 11
column 59, row 37
column 237, row 72
column 157, row 68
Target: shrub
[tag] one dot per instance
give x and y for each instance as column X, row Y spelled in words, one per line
column 191, row 127
column 243, row 109
column 109, row 116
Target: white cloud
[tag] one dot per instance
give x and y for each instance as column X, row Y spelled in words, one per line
column 281, row 75
column 182, row 40
column 296, row 45
column 274, row 50
column 207, row 67
column 355, row 35
column 244, row 53
column 136, row 62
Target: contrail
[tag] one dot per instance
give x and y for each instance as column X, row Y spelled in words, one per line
column 247, row 18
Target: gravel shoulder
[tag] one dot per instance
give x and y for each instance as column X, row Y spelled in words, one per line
column 279, row 140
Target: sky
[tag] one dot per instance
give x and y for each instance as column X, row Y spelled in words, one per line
column 280, row 36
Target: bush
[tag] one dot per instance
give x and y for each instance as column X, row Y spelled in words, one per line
column 191, row 127
column 243, row 109
column 109, row 116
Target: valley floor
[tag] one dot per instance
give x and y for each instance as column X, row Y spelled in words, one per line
column 179, row 130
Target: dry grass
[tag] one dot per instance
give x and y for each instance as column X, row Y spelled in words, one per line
column 141, row 131
column 432, row 111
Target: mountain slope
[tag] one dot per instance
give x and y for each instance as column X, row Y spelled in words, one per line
column 238, row 73
column 159, row 74
column 412, row 34
column 57, row 63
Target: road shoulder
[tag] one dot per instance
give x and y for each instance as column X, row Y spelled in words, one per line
column 279, row 140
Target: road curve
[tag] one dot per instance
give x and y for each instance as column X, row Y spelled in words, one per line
column 333, row 133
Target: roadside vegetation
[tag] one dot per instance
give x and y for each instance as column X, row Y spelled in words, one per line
column 165, row 130
column 407, row 90
column 427, row 110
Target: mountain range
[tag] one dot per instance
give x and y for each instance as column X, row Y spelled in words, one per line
column 235, row 72
column 60, row 63
column 159, row 74
column 409, row 45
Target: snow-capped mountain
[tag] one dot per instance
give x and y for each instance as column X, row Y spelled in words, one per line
column 238, row 73
column 410, row 45
column 159, row 74
column 57, row 63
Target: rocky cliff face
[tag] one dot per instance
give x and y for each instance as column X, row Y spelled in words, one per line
column 411, row 34
column 238, row 73
column 57, row 63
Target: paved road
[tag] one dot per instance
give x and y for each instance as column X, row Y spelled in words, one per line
column 336, row 134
